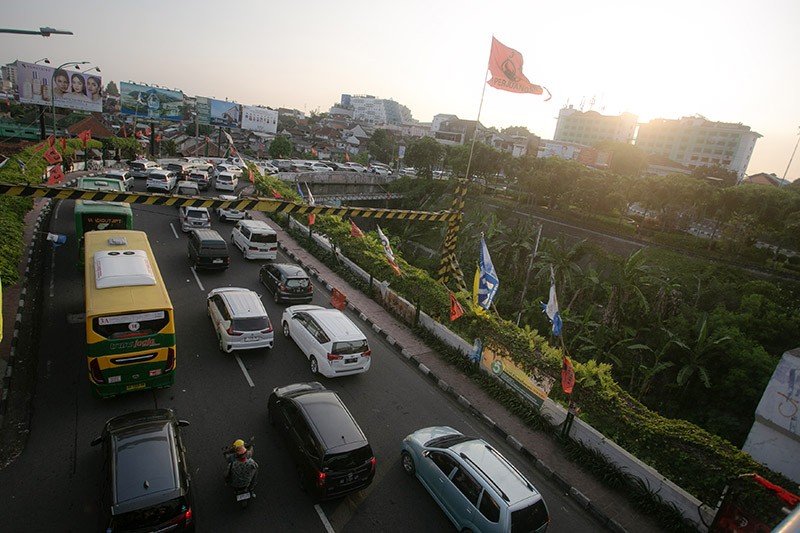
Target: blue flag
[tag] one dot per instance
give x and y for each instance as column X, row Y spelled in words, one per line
column 488, row 282
column 551, row 307
column 300, row 191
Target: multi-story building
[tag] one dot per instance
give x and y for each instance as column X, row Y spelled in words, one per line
column 367, row 108
column 590, row 127
column 696, row 141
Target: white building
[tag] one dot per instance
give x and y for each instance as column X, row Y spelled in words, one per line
column 374, row 110
column 590, row 127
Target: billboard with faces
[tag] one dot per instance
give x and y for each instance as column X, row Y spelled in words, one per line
column 70, row 89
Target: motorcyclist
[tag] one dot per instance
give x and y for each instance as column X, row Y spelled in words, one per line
column 230, row 453
column 243, row 471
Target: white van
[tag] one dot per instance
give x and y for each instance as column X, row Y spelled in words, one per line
column 240, row 319
column 255, row 239
column 226, row 182
column 141, row 167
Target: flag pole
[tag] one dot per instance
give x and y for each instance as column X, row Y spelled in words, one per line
column 477, row 120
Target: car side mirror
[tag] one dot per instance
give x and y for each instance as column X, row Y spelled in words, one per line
column 183, row 423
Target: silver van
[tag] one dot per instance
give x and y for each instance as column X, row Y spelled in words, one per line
column 142, row 167
column 255, row 239
column 240, row 319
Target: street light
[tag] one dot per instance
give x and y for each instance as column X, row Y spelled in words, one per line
column 785, row 172
column 43, row 59
column 53, row 87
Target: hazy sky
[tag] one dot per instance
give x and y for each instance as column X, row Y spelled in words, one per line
column 728, row 60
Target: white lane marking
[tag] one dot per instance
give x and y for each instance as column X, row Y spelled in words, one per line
column 171, row 225
column 197, row 279
column 244, row 371
column 324, row 519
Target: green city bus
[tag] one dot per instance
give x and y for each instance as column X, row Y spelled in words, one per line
column 91, row 215
column 130, row 326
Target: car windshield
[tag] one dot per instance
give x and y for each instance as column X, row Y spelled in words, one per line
column 258, row 323
column 197, row 214
column 347, row 460
column 264, row 237
column 149, row 516
column 529, row 518
column 294, row 283
column 349, row 347
column 447, row 440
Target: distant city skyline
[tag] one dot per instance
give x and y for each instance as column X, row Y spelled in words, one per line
column 729, row 61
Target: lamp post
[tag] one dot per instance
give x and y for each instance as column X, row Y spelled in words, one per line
column 42, row 59
column 43, row 109
column 785, row 172
column 52, row 84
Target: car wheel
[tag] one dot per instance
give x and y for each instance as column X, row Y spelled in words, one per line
column 408, row 463
column 314, row 365
column 286, row 329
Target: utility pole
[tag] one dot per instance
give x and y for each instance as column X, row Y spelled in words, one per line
column 528, row 273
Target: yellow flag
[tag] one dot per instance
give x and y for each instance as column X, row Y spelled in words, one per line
column 477, row 308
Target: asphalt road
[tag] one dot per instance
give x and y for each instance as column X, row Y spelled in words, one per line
column 55, row 485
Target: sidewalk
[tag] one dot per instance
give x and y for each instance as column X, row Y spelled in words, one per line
column 612, row 509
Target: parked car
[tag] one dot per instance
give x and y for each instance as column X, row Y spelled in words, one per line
column 148, row 482
column 240, row 319
column 207, row 249
column 283, row 165
column 355, row 166
column 476, row 487
column 286, row 282
column 141, row 168
column 332, row 343
column 332, row 454
column 317, row 166
column 226, row 182
column 194, row 218
column 408, row 171
column 122, row 175
column 229, row 213
column 188, row 188
column 161, row 180
column 201, row 178
column 197, row 163
column 380, row 170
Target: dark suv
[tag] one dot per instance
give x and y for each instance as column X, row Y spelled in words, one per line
column 286, row 282
column 331, row 452
column 207, row 249
column 147, row 483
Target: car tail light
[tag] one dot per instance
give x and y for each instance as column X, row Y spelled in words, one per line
column 320, row 479
column 310, row 287
column 97, row 376
column 232, row 332
column 368, row 353
column 170, row 360
column 184, row 516
column 268, row 330
column 372, row 464
column 332, row 357
column 254, row 248
column 282, row 287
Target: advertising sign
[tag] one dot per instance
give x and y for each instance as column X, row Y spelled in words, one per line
column 219, row 112
column 43, row 85
column 150, row 102
column 534, row 387
column 259, row 119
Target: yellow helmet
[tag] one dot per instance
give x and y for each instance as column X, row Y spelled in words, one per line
column 237, row 443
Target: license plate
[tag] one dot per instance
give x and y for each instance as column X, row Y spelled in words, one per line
column 136, row 386
column 250, row 339
column 243, row 496
column 217, row 261
column 353, row 360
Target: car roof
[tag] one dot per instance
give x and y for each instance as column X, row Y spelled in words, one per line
column 242, row 302
column 330, row 420
column 289, row 270
column 337, row 323
column 205, row 234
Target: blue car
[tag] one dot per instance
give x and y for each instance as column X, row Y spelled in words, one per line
column 476, row 487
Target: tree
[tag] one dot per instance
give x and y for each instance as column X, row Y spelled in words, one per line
column 424, row 154
column 111, row 89
column 626, row 159
column 516, row 130
column 381, row 146
column 728, row 177
column 280, row 147
column 696, row 355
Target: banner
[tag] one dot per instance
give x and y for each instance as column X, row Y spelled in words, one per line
column 259, row 119
column 218, row 112
column 534, row 387
column 150, row 102
column 70, row 89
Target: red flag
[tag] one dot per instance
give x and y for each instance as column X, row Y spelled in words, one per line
column 276, row 194
column 124, row 131
column 505, row 64
column 138, row 134
column 252, row 179
column 207, row 140
column 313, row 152
column 51, row 140
column 782, row 493
column 311, row 219
column 147, row 132
column 354, row 231
column 85, row 136
column 158, row 138
column 64, row 144
column 455, row 308
column 56, row 175
column 347, row 157
column 52, row 156
column 567, row 376
column 38, row 147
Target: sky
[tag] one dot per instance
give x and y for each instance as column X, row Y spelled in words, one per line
column 727, row 60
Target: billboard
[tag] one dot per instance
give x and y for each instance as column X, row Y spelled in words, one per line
column 150, row 102
column 219, row 112
column 535, row 387
column 259, row 119
column 71, row 89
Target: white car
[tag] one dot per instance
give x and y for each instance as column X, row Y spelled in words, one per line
column 123, row 175
column 240, row 320
column 332, row 343
column 229, row 213
column 194, row 218
column 228, row 168
column 226, row 182
column 355, row 166
column 319, row 167
column 161, row 180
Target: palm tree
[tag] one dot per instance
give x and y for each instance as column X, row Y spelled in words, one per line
column 564, row 260
column 626, row 283
column 697, row 354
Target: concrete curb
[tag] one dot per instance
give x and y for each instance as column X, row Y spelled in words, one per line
column 564, row 485
column 32, row 249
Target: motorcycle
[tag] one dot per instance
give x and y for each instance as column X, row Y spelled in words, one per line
column 243, row 494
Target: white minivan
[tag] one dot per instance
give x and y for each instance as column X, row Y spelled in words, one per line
column 226, row 182
column 332, row 342
column 240, row 319
column 255, row 239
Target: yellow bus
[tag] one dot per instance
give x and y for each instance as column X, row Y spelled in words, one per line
column 130, row 326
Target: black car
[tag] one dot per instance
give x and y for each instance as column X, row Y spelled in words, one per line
column 207, row 249
column 332, row 454
column 147, row 485
column 286, row 282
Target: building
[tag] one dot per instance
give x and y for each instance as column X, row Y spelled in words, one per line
column 765, row 179
column 590, row 127
column 367, row 108
column 449, row 129
column 696, row 141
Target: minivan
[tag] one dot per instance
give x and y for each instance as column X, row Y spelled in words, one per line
column 207, row 249
column 226, row 182
column 161, row 180
column 240, row 319
column 286, row 282
column 255, row 239
column 122, row 175
column 142, row 167
column 332, row 454
column 194, row 218
column 147, row 483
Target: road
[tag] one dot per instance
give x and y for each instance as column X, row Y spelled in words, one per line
column 224, row 397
